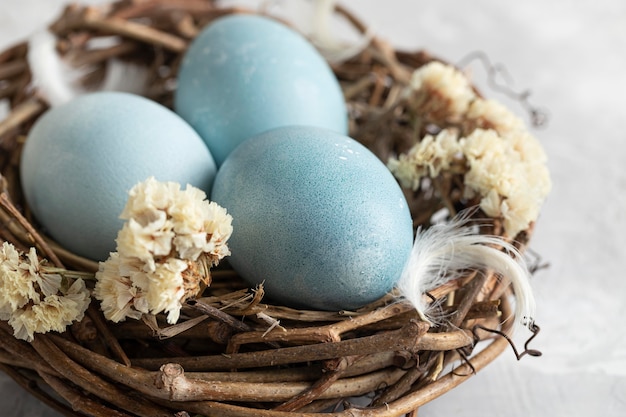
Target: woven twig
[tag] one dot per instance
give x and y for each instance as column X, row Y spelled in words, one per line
column 229, row 356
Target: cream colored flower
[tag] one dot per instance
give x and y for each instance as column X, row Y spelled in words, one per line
column 491, row 114
column 406, row 171
column 201, row 226
column 168, row 231
column 17, row 285
column 128, row 291
column 172, row 218
column 32, row 296
column 54, row 313
column 527, row 146
column 148, row 196
column 429, row 157
column 443, row 92
column 166, row 289
column 508, row 174
column 116, row 291
column 146, row 241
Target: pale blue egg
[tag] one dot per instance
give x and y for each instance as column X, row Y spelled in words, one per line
column 246, row 74
column 317, row 217
column 81, row 159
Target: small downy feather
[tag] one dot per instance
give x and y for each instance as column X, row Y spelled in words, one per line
column 57, row 82
column 444, row 250
column 53, row 78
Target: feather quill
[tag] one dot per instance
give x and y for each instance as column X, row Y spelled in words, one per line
column 443, row 251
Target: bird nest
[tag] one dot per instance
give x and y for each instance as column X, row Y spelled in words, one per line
column 233, row 353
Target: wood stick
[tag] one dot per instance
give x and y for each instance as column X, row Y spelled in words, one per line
column 93, row 384
column 22, row 113
column 27, row 384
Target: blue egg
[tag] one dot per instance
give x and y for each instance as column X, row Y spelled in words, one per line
column 246, row 74
column 81, row 159
column 317, row 217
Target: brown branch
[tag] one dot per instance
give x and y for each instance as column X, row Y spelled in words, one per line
column 337, row 368
column 410, row 337
column 23, row 351
column 78, row 400
column 92, row 383
column 329, row 333
column 109, row 338
column 28, row 385
column 5, row 202
column 24, row 112
column 219, row 315
column 76, row 18
column 12, row 68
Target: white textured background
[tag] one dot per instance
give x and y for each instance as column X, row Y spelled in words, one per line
column 572, row 55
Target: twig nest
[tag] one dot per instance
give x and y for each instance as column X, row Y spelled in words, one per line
column 176, row 331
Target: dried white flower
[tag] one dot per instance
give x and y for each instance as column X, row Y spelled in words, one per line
column 491, row 114
column 506, row 172
column 527, row 146
column 54, row 313
column 32, row 296
column 166, row 288
column 443, row 92
column 116, row 291
column 164, row 250
column 149, row 196
column 146, row 240
column 17, row 285
column 429, row 157
column 509, row 174
column 201, row 226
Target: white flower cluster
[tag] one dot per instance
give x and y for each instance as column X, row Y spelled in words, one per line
column 441, row 92
column 427, row 158
column 165, row 249
column 504, row 164
column 511, row 180
column 35, row 300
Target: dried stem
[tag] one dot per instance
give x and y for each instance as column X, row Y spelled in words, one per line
column 91, row 383
column 79, row 402
column 6, row 203
column 28, row 384
column 109, row 338
column 21, row 114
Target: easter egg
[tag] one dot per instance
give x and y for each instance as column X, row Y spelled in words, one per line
column 80, row 160
column 246, row 74
column 317, row 218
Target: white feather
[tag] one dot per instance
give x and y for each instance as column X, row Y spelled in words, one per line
column 57, row 82
column 443, row 251
column 54, row 79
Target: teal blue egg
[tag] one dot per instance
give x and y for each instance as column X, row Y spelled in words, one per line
column 317, row 218
column 246, row 74
column 80, row 160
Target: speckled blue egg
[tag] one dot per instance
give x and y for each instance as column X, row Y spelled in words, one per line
column 81, row 159
column 317, row 217
column 246, row 74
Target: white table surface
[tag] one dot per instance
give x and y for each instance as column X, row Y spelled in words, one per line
column 572, row 55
